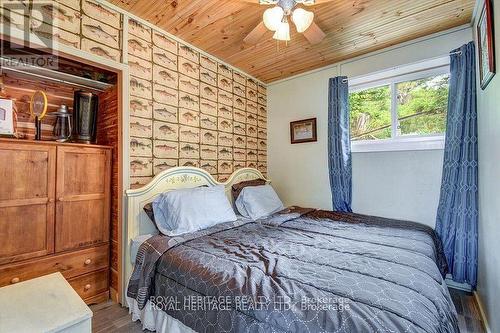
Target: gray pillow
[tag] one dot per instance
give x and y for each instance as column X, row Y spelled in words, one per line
column 182, row 211
column 148, row 209
column 238, row 187
column 256, row 202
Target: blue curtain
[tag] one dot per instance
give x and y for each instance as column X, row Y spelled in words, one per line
column 339, row 144
column 457, row 215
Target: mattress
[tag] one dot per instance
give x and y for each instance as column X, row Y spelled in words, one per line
column 300, row 272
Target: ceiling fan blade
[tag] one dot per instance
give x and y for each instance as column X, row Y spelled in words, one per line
column 314, row 34
column 256, row 34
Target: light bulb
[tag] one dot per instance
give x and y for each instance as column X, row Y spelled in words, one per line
column 302, row 19
column 283, row 32
column 272, row 18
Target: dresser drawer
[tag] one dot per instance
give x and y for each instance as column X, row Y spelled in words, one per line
column 91, row 284
column 70, row 265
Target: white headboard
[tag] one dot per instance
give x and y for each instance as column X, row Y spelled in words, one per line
column 138, row 223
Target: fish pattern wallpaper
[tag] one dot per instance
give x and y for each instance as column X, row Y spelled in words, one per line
column 83, row 24
column 188, row 109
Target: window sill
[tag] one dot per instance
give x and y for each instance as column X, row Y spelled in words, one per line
column 402, row 144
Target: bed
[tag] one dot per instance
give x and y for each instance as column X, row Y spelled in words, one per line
column 300, row 270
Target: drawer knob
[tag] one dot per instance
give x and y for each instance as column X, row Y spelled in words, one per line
column 87, row 287
column 14, row 280
column 87, row 262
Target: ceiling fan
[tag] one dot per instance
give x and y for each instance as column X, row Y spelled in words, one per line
column 277, row 19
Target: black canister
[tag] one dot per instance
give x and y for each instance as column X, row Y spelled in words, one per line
column 85, row 116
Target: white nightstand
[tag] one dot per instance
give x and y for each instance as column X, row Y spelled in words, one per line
column 44, row 304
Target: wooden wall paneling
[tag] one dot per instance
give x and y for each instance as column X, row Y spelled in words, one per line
column 109, row 131
column 20, row 90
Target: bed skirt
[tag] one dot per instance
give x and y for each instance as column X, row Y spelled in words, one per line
column 156, row 320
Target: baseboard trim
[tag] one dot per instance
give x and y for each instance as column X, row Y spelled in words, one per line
column 455, row 285
column 113, row 294
column 481, row 312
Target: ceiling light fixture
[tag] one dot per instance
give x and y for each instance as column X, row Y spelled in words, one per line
column 302, row 19
column 273, row 17
column 277, row 19
column 283, row 31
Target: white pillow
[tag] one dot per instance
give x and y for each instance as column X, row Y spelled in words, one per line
column 256, row 202
column 182, row 211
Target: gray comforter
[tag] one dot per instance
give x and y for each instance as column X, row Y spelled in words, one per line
column 299, row 271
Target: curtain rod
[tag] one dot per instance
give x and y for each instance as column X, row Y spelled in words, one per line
column 451, row 53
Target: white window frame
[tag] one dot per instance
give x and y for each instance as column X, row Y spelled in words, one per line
column 392, row 77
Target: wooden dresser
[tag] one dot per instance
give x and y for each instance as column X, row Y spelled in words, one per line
column 55, row 214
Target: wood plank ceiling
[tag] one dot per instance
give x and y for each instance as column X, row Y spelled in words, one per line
column 353, row 27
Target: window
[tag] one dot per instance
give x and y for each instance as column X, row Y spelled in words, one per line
column 403, row 112
column 371, row 114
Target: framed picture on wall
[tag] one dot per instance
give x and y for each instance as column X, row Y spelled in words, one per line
column 303, row 131
column 486, row 46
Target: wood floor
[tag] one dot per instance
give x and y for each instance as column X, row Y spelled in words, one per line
column 110, row 317
column 469, row 317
